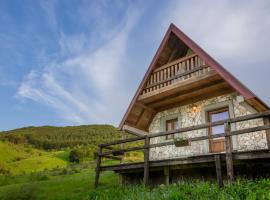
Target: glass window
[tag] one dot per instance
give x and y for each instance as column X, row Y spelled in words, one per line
column 218, row 115
column 170, row 126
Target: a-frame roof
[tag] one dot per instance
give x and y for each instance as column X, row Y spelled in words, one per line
column 248, row 95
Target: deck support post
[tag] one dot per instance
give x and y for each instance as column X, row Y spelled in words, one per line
column 229, row 149
column 167, row 175
column 266, row 121
column 98, row 167
column 218, row 170
column 146, row 161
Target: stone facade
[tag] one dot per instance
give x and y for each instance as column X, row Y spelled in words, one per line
column 188, row 117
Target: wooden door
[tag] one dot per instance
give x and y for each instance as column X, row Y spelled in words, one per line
column 217, row 144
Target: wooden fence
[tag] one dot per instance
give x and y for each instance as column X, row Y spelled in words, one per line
column 228, row 133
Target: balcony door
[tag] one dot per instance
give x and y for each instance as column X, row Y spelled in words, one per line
column 217, row 144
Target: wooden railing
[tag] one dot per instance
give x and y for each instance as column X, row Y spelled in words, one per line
column 228, row 133
column 178, row 70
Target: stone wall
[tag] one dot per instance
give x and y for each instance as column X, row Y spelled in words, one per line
column 187, row 117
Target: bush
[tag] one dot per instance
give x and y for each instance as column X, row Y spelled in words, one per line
column 74, row 156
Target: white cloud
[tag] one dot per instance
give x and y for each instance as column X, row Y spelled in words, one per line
column 83, row 85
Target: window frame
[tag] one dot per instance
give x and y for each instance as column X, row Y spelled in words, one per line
column 175, row 122
column 163, row 120
column 215, row 111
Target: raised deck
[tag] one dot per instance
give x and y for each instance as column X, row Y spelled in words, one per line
column 230, row 158
column 191, row 161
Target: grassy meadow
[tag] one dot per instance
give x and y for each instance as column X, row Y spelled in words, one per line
column 36, row 164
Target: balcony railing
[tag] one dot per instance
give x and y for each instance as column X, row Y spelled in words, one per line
column 178, row 70
column 117, row 154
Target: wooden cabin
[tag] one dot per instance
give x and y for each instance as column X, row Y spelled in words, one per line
column 195, row 118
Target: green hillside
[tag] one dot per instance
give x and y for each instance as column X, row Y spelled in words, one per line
column 50, row 137
column 17, row 159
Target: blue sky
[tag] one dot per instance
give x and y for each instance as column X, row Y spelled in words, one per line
column 80, row 62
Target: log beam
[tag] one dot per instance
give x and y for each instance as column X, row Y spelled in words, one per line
column 229, row 149
column 218, row 170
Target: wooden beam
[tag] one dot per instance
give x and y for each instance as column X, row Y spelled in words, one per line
column 98, row 167
column 112, row 157
column 218, row 170
column 167, row 175
column 140, row 118
column 134, row 131
column 145, row 107
column 187, row 90
column 146, row 161
column 266, row 121
column 228, row 144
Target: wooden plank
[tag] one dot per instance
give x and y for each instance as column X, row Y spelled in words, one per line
column 98, row 167
column 266, row 121
column 190, row 162
column 146, row 161
column 229, row 159
column 218, row 170
column 189, row 92
column 201, row 126
column 112, row 157
column 229, row 134
column 134, row 130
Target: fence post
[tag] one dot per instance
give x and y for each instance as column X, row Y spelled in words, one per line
column 146, row 161
column 98, row 167
column 218, row 170
column 167, row 175
column 266, row 121
column 229, row 149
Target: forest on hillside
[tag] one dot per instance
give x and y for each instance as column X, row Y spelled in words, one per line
column 56, row 138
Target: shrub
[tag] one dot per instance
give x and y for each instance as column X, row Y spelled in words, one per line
column 74, row 156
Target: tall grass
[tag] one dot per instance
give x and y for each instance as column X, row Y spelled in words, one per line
column 239, row 190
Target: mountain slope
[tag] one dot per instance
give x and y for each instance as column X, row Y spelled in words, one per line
column 17, row 159
column 50, row 137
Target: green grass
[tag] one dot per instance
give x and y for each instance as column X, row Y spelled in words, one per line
column 239, row 190
column 79, row 186
column 60, row 187
column 19, row 159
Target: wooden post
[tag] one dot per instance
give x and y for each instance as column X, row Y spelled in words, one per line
column 266, row 121
column 229, row 149
column 146, row 161
column 121, row 179
column 98, row 167
column 167, row 175
column 218, row 170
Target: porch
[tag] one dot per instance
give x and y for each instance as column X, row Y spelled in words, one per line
column 229, row 158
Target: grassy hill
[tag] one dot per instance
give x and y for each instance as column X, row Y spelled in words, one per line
column 17, row 159
column 50, row 137
column 38, row 148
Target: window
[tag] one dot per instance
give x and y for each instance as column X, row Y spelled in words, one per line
column 170, row 126
column 217, row 115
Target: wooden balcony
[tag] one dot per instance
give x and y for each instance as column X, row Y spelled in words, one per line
column 180, row 81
